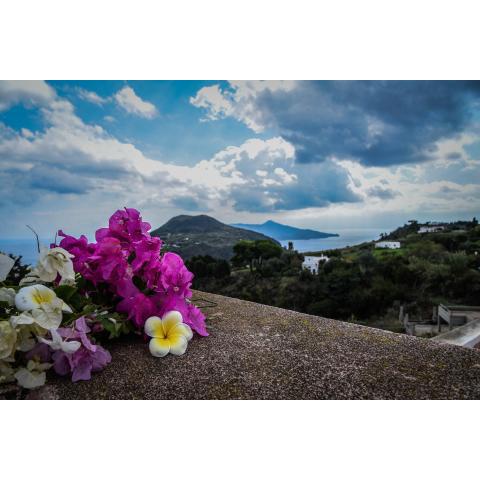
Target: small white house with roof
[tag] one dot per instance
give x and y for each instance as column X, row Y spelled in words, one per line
column 311, row 263
column 388, row 244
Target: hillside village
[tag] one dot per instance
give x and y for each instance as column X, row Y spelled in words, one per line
column 410, row 270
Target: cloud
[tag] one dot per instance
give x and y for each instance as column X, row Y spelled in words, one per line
column 29, row 92
column 73, row 173
column 91, row 97
column 239, row 101
column 70, row 157
column 382, row 193
column 376, row 123
column 127, row 99
column 262, row 176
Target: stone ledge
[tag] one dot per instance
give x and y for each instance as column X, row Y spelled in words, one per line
column 260, row 352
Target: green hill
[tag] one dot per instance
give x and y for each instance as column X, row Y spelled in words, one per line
column 190, row 235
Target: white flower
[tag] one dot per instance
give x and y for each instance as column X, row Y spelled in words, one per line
column 7, row 295
column 35, row 296
column 57, row 343
column 52, row 262
column 6, row 264
column 22, row 319
column 8, row 339
column 33, row 376
column 44, row 307
column 169, row 334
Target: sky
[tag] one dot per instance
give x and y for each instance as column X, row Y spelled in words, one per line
column 325, row 155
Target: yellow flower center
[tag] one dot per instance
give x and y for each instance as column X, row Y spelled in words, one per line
column 42, row 296
column 158, row 332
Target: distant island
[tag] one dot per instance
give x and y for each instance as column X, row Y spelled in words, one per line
column 284, row 232
column 190, row 235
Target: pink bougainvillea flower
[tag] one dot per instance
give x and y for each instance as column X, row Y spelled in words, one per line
column 138, row 308
column 128, row 261
column 127, row 224
column 109, row 263
column 146, row 261
column 81, row 251
column 176, row 278
column 191, row 315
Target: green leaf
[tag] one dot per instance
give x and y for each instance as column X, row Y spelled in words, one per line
column 65, row 292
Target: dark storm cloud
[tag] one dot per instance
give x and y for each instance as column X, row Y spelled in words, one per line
column 379, row 123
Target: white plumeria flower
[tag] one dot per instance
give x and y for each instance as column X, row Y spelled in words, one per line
column 57, row 343
column 33, row 376
column 6, row 264
column 52, row 262
column 169, row 334
column 44, row 307
column 7, row 295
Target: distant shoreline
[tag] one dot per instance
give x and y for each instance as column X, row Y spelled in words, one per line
column 346, row 238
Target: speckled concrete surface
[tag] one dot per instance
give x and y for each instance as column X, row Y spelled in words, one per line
column 260, row 352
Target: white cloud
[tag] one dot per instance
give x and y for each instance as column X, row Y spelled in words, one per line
column 29, row 92
column 239, row 101
column 213, row 100
column 91, row 97
column 133, row 104
column 76, row 174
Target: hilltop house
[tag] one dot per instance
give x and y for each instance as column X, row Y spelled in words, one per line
column 311, row 263
column 385, row 244
column 432, row 228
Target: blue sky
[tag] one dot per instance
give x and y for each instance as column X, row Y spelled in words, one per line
column 326, row 155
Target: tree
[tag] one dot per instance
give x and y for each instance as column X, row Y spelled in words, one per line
column 245, row 253
column 254, row 252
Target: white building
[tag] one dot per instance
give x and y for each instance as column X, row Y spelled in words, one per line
column 311, row 263
column 392, row 245
column 431, row 228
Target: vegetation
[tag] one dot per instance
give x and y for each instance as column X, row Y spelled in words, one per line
column 191, row 236
column 362, row 284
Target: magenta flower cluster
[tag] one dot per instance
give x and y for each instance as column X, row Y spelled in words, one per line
column 127, row 260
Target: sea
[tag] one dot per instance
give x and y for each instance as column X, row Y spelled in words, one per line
column 346, row 238
column 27, row 247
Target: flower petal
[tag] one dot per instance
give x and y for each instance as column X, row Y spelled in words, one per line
column 159, row 347
column 70, row 347
column 28, row 379
column 153, row 327
column 6, row 264
column 170, row 319
column 181, row 329
column 22, row 319
column 66, row 308
column 178, row 344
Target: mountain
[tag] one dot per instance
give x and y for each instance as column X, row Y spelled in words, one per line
column 203, row 235
column 284, row 232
